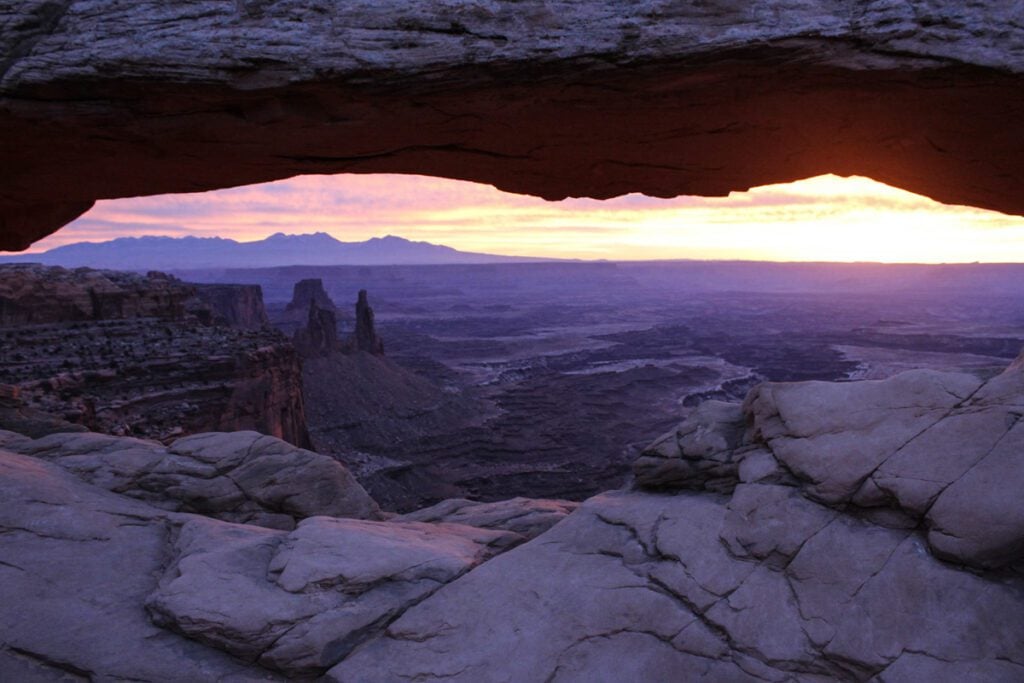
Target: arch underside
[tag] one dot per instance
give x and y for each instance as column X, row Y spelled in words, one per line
column 699, row 126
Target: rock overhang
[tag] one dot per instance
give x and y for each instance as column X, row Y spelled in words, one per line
column 553, row 99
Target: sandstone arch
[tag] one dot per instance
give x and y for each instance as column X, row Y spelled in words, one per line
column 546, row 97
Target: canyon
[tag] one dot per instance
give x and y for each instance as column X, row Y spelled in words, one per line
column 778, row 530
column 548, row 379
column 788, row 472
column 480, row 471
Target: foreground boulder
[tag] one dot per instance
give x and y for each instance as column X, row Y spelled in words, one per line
column 945, row 449
column 238, row 477
column 87, row 576
column 765, row 586
column 76, row 566
column 300, row 602
column 699, row 453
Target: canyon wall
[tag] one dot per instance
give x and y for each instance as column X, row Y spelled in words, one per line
column 32, row 294
column 119, row 353
column 238, row 306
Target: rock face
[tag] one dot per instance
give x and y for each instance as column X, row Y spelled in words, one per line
column 526, row 517
column 18, row 417
column 365, row 337
column 156, row 379
column 33, row 295
column 921, row 447
column 320, row 335
column 301, row 601
column 309, row 291
column 699, row 453
column 123, row 354
column 641, row 587
column 240, row 477
column 238, row 306
column 78, row 564
column 89, row 577
column 552, row 99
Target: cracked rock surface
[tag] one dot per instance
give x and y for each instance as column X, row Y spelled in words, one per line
column 299, row 602
column 941, row 450
column 88, row 577
column 76, row 565
column 825, row 547
column 640, row 586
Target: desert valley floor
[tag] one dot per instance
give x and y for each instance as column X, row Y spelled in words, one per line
column 554, row 376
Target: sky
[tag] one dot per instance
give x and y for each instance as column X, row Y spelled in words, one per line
column 826, row 218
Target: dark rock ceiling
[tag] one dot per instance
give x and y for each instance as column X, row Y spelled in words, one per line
column 938, row 113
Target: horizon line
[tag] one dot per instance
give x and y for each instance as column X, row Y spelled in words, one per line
column 529, row 258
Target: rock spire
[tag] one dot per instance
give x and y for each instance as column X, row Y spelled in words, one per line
column 366, row 338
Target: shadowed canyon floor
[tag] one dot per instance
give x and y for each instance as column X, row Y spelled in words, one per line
column 546, row 380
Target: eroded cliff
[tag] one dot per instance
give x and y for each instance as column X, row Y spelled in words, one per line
column 129, row 355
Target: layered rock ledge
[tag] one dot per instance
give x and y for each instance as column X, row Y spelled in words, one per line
column 554, row 99
column 943, row 451
column 148, row 356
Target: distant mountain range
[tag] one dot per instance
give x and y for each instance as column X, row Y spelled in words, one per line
column 317, row 249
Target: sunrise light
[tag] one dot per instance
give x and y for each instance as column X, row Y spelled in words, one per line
column 827, row 218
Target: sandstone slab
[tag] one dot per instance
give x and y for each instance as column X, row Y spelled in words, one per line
column 527, row 517
column 699, row 453
column 238, row 477
column 76, row 565
column 942, row 449
column 636, row 584
column 835, row 434
column 300, row 602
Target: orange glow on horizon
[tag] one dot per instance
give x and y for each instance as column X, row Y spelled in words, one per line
column 826, row 218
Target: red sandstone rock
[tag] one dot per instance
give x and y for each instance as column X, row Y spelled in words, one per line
column 119, row 353
column 554, row 99
column 238, row 306
column 33, row 294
